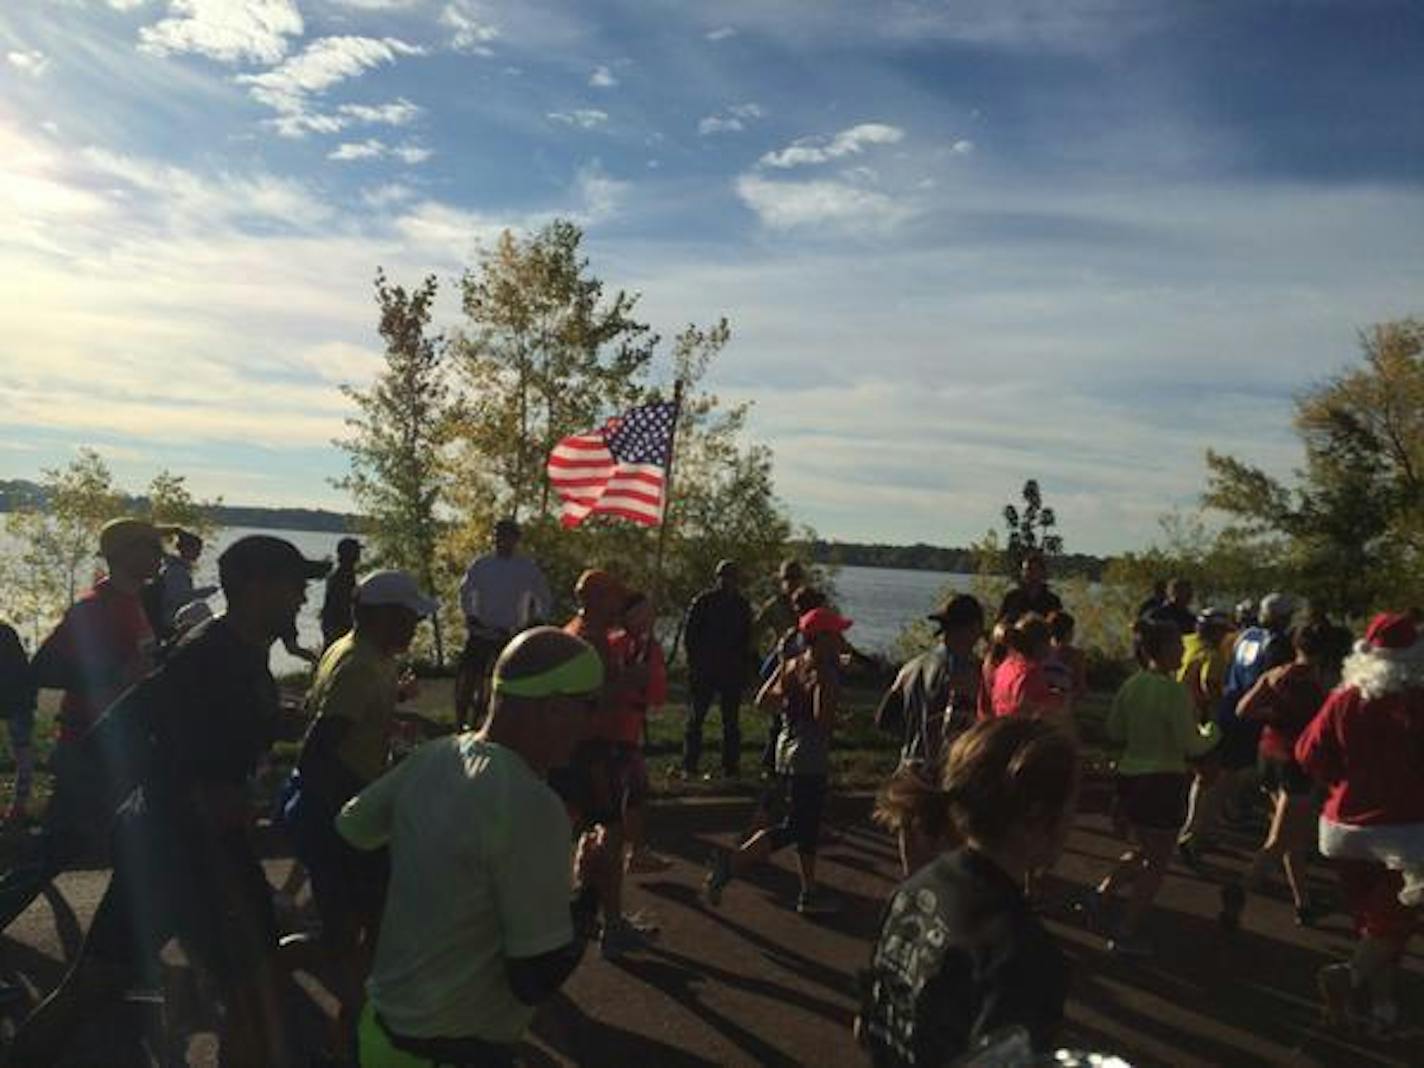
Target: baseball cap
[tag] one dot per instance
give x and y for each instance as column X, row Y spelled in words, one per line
column 394, row 587
column 259, row 557
column 823, row 620
column 1277, row 606
column 1208, row 616
column 958, row 610
column 119, row 535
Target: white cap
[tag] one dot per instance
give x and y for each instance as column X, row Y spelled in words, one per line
column 396, row 588
column 1277, row 606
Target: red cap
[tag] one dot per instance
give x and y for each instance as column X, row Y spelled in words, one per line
column 1392, row 630
column 822, row 620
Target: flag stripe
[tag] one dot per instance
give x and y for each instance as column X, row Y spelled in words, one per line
column 617, row 470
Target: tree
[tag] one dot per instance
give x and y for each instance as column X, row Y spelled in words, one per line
column 1349, row 530
column 396, row 448
column 169, row 502
column 1032, row 528
column 58, row 542
column 544, row 356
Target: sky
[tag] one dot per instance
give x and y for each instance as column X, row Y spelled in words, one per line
column 960, row 243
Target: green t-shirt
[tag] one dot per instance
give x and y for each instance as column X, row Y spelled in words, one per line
column 1153, row 718
column 481, row 871
column 355, row 682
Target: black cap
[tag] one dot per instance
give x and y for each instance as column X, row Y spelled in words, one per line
column 260, row 557
column 957, row 611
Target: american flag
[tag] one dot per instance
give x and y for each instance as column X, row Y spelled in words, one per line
column 619, row 469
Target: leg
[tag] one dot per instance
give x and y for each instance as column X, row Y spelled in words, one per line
column 700, row 702
column 1209, row 791
column 1157, row 848
column 731, row 730
column 773, row 735
column 465, row 678
column 808, row 803
column 21, row 727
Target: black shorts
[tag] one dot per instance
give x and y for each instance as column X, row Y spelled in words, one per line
column 1240, row 742
column 348, row 884
column 805, row 798
column 171, row 881
column 1155, row 802
column 481, row 648
column 1284, row 776
column 592, row 787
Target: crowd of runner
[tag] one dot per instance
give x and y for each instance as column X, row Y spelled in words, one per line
column 458, row 875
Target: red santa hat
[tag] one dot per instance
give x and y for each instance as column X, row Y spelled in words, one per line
column 1389, row 658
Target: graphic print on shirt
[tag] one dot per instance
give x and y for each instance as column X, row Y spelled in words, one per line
column 909, row 956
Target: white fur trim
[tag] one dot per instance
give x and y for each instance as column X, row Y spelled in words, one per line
column 1377, row 672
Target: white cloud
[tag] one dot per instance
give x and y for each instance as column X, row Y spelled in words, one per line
column 600, row 194
column 602, row 78
column 849, row 142
column 399, row 112
column 377, row 5
column 374, row 148
column 28, row 61
column 126, row 5
column 322, row 64
column 228, row 31
column 791, row 205
column 733, row 120
column 721, row 33
column 383, row 196
column 583, row 118
column 962, row 147
column 473, row 33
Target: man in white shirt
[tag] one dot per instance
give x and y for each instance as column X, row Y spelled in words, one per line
column 457, row 976
column 502, row 593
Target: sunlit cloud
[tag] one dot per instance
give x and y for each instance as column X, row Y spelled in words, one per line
column 252, row 30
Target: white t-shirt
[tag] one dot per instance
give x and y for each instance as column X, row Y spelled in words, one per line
column 481, row 871
column 505, row 592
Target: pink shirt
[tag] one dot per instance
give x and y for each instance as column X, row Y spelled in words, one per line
column 1021, row 686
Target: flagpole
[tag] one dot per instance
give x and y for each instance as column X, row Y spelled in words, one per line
column 667, row 496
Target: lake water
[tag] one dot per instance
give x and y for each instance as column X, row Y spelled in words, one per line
column 880, row 600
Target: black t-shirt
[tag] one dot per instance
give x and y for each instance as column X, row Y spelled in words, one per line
column 1021, row 600
column 336, row 605
column 718, row 637
column 1184, row 619
column 17, row 683
column 960, row 957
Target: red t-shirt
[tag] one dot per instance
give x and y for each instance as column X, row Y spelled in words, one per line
column 1370, row 753
column 103, row 646
column 1293, row 696
column 626, row 724
column 1022, row 685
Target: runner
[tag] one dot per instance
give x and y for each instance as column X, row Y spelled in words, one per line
column 183, row 859
column 1032, row 593
column 961, row 955
column 1067, row 666
column 774, row 620
column 353, row 707
column 1155, row 600
column 1285, row 699
column 502, row 593
column 17, row 705
column 932, row 700
column 594, row 785
column 1022, row 686
column 807, row 686
column 457, row 976
column 1153, row 720
column 635, row 643
column 175, row 580
column 336, row 610
column 1177, row 608
column 1366, row 746
column 717, row 634
column 1205, row 658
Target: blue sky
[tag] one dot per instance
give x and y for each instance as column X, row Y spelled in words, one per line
column 960, row 243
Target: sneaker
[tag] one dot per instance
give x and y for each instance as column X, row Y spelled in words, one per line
column 644, row 924
column 1132, row 946
column 719, row 874
column 645, row 862
column 811, row 903
column 1233, row 903
column 620, row 937
column 1337, row 991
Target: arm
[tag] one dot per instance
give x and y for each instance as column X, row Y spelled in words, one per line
column 366, row 820
column 769, row 696
column 890, row 713
column 469, row 594
column 1318, row 749
column 1195, row 738
column 1256, row 703
column 693, row 627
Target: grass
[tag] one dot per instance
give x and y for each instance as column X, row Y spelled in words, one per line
column 861, row 756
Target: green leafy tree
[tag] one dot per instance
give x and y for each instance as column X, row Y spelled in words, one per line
column 1031, row 528
column 398, row 436
column 1349, row 530
column 170, row 503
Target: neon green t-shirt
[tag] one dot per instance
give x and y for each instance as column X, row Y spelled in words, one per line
column 356, row 683
column 1153, row 718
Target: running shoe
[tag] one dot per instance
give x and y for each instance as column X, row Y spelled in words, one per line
column 1337, row 992
column 811, row 903
column 645, row 862
column 620, row 937
column 719, row 874
column 1233, row 903
column 1134, row 947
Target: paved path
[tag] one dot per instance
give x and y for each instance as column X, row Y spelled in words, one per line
column 752, row 983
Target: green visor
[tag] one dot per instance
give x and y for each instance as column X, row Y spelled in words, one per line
column 583, row 674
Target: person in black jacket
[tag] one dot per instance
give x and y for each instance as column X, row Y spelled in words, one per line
column 17, row 705
column 1032, row 594
column 961, row 958
column 718, row 637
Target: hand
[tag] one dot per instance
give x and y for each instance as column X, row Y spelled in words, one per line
column 591, row 857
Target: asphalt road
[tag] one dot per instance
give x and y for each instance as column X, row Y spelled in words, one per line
column 752, row 983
